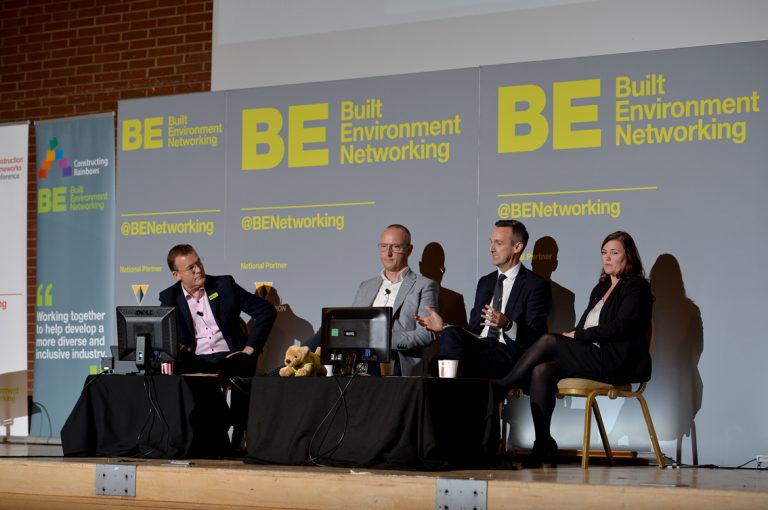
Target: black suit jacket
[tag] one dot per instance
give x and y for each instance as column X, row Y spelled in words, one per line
column 227, row 300
column 622, row 332
column 528, row 305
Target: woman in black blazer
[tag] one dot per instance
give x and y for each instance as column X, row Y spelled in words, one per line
column 609, row 344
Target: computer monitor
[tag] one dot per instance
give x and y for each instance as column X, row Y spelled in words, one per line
column 356, row 334
column 147, row 335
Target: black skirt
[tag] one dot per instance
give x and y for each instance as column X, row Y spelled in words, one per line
column 579, row 359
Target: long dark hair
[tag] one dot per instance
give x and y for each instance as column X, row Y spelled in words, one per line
column 634, row 266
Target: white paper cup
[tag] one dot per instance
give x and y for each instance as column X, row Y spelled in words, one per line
column 386, row 368
column 328, row 370
column 447, row 368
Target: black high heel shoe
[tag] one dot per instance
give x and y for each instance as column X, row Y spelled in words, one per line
column 544, row 452
column 499, row 391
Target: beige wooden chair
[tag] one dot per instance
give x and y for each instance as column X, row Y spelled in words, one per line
column 590, row 389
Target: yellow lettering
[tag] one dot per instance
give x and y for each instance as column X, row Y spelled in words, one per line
column 131, row 134
column 622, row 86
column 347, row 109
column 510, row 117
column 153, row 133
column 52, row 200
column 300, row 135
column 565, row 115
column 269, row 137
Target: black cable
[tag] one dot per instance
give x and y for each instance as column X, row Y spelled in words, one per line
column 92, row 381
column 335, row 447
column 150, row 389
column 332, row 412
column 715, row 466
column 47, row 416
column 747, row 462
column 144, row 425
column 154, row 401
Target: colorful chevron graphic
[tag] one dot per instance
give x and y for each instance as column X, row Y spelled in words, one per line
column 54, row 155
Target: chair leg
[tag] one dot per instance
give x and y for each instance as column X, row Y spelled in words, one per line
column 694, row 445
column 651, row 431
column 587, row 431
column 503, row 444
column 603, row 435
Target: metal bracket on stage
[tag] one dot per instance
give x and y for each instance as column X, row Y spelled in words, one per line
column 112, row 480
column 458, row 494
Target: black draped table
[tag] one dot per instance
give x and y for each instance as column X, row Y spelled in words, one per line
column 386, row 422
column 156, row 416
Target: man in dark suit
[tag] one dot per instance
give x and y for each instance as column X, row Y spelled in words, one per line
column 509, row 314
column 211, row 338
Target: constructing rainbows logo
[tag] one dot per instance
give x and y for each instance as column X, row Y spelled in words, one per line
column 54, row 155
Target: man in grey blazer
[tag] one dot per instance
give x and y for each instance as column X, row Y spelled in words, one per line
column 408, row 294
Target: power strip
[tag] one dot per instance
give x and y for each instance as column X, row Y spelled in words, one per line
column 762, row 461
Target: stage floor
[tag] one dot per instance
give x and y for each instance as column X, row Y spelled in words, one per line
column 36, row 476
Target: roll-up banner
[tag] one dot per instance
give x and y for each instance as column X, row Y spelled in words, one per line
column 14, row 146
column 75, row 257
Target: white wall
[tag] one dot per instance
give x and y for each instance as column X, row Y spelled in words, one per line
column 513, row 31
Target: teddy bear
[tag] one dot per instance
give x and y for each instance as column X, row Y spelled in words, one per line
column 300, row 361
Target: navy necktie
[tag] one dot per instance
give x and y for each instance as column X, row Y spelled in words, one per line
column 498, row 292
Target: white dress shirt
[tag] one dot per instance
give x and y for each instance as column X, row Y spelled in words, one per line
column 507, row 284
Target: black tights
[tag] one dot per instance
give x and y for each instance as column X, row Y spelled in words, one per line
column 538, row 364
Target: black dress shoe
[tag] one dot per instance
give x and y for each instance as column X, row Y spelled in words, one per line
column 544, row 451
column 507, row 461
column 241, row 383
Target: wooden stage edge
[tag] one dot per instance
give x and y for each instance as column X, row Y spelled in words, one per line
column 67, row 483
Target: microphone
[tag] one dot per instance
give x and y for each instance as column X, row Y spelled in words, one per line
column 387, row 292
column 200, row 314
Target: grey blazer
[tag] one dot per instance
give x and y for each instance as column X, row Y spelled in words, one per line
column 408, row 338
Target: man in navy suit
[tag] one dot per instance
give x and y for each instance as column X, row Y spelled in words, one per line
column 503, row 325
column 211, row 338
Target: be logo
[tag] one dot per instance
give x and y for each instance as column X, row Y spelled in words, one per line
column 52, row 199
column 266, row 139
column 147, row 133
column 523, row 127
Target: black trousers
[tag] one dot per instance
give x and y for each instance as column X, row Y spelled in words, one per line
column 238, row 364
column 478, row 357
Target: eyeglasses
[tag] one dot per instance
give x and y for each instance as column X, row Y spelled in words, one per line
column 197, row 265
column 396, row 248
